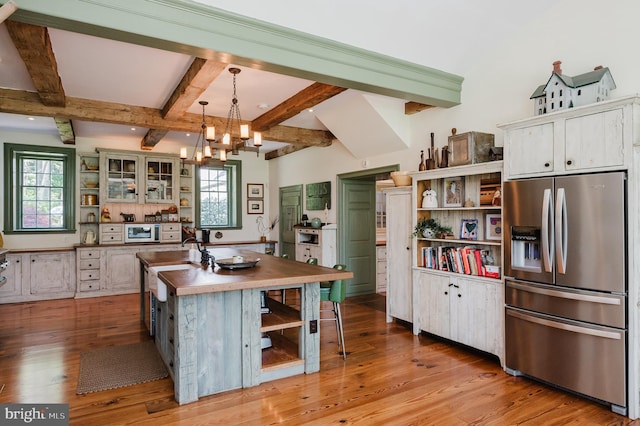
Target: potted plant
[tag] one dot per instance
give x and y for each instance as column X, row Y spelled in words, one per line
column 430, row 228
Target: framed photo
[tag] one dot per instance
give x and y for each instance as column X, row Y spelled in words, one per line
column 255, row 190
column 255, row 206
column 469, row 229
column 493, row 226
column 453, row 192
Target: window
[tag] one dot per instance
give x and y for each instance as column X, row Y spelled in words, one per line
column 381, row 210
column 39, row 186
column 218, row 196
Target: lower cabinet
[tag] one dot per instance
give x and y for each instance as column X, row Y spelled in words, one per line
column 39, row 276
column 465, row 310
column 121, row 270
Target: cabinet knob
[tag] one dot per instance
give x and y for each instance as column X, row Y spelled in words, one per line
column 547, row 164
column 33, row 260
column 171, row 317
column 459, row 295
column 408, row 248
column 569, row 162
column 446, row 292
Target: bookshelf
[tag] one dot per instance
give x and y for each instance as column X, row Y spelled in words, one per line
column 458, row 291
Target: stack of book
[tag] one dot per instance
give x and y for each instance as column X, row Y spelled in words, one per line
column 468, row 260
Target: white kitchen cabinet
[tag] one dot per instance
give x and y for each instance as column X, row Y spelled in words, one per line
column 398, row 251
column 11, row 291
column 464, row 310
column 39, row 275
column 52, row 274
column 589, row 138
column 122, row 273
column 316, row 242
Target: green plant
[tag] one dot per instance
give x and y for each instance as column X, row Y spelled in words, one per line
column 438, row 230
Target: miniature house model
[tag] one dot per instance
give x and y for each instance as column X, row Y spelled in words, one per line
column 562, row 91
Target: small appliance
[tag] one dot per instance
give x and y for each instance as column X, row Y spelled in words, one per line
column 141, row 233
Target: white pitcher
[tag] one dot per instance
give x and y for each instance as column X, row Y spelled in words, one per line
column 90, row 237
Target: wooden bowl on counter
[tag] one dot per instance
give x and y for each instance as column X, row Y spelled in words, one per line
column 401, row 178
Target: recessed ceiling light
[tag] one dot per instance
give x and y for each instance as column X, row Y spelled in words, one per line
column 188, row 134
column 264, row 106
column 30, row 118
column 133, row 129
column 310, row 110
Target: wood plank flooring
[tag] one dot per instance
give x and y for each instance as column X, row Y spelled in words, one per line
column 390, row 377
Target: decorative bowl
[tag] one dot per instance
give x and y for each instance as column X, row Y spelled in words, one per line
column 91, row 184
column 316, row 222
column 401, row 178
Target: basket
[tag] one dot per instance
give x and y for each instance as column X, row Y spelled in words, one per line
column 401, row 178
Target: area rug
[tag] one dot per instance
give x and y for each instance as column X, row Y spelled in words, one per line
column 119, row 366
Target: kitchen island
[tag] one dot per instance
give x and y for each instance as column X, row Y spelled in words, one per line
column 210, row 327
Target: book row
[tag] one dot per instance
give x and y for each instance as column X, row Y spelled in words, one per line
column 467, row 260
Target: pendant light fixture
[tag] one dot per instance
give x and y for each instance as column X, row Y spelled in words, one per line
column 204, row 151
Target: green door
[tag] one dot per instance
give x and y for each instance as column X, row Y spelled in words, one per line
column 359, row 232
column 290, row 214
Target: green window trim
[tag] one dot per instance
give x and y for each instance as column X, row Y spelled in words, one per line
column 14, row 154
column 234, row 167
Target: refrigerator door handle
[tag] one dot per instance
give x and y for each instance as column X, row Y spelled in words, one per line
column 604, row 300
column 615, row 335
column 547, row 230
column 561, row 231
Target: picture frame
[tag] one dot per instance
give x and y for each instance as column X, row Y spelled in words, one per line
column 255, row 206
column 452, row 192
column 469, row 229
column 493, row 227
column 255, row 190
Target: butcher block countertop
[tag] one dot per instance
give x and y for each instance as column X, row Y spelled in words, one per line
column 270, row 271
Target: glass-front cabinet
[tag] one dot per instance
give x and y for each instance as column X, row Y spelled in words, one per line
column 138, row 179
column 121, row 178
column 160, row 184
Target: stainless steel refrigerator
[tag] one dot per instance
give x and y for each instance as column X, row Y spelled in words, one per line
column 566, row 283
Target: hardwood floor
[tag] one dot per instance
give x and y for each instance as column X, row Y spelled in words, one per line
column 390, row 377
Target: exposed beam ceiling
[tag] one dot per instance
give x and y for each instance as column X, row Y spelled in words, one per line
column 28, row 103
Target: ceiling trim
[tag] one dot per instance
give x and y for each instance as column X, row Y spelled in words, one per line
column 207, row 32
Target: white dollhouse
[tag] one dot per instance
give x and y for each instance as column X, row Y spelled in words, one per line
column 563, row 92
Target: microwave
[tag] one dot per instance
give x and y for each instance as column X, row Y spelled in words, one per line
column 141, row 233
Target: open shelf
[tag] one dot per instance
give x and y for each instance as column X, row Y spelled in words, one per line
column 281, row 317
column 283, row 353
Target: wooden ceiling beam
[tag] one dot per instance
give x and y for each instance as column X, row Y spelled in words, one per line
column 34, row 46
column 194, row 82
column 197, row 79
column 305, row 99
column 281, row 152
column 415, row 107
column 65, row 129
column 28, row 103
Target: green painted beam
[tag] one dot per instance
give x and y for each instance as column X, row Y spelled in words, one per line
column 194, row 29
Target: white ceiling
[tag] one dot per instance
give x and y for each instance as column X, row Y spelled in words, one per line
column 445, row 34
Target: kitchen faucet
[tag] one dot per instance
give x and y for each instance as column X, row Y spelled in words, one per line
column 205, row 257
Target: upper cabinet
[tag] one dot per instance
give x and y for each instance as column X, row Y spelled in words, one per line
column 161, row 180
column 131, row 178
column 589, row 138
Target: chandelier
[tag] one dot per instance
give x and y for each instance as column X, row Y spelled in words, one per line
column 207, row 145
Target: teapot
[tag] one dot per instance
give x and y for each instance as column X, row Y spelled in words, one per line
column 89, row 237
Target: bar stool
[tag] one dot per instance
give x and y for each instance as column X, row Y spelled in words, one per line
column 335, row 292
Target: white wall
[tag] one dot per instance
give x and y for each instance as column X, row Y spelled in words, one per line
column 580, row 33
column 254, row 170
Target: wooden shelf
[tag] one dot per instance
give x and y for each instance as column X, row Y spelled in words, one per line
column 280, row 317
column 283, row 353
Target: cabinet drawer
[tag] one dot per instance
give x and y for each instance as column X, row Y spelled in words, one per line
column 171, row 227
column 170, row 236
column 91, row 274
column 90, row 254
column 108, row 237
column 112, row 228
column 90, row 285
column 90, row 264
